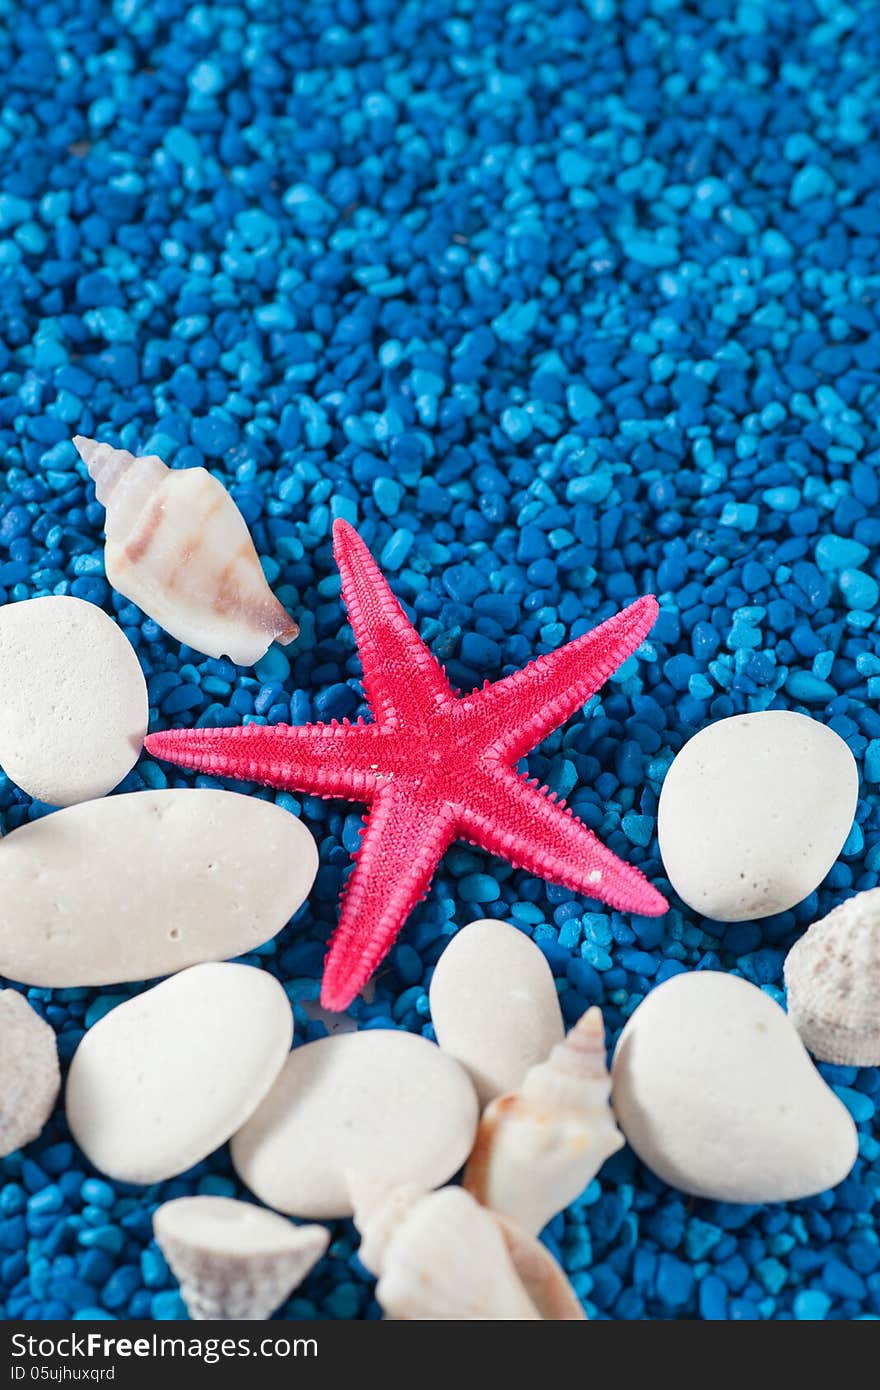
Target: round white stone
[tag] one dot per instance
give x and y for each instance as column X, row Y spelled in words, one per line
column 165, row 1078
column 494, row 1005
column 73, row 700
column 754, row 811
column 714, row 1090
column 144, row 884
column 354, row 1109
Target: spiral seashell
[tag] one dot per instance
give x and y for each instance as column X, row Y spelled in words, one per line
column 234, row 1260
column 442, row 1257
column 179, row 548
column 832, row 980
column 539, row 1147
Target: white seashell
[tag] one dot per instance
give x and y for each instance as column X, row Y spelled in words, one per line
column 73, row 699
column 542, row 1277
column 179, row 548
column 714, row 1090
column 30, row 1077
column 539, row 1147
column 494, row 1005
column 164, row 1079
column 232, row 1259
column 146, row 883
column 443, row 1257
column 832, row 978
column 753, row 812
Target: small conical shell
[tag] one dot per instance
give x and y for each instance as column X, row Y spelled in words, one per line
column 539, row 1147
column 832, row 979
column 441, row 1257
column 232, row 1259
column 179, row 548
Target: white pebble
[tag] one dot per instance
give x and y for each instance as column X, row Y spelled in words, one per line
column 355, row 1108
column 494, row 1005
column 164, row 1079
column 30, row 1078
column 714, row 1090
column 754, row 811
column 145, row 884
column 73, row 700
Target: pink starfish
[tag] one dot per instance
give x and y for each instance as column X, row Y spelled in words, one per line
column 432, row 768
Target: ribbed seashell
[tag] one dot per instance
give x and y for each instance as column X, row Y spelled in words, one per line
column 440, row 1256
column 542, row 1277
column 539, row 1147
column 179, row 548
column 832, row 979
column 234, row 1260
column 30, row 1077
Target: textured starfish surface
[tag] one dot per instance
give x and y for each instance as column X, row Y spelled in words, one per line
column 434, row 766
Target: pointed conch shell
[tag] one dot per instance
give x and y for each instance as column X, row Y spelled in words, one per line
column 441, row 1257
column 234, row 1260
column 832, row 979
column 179, row 548
column 539, row 1147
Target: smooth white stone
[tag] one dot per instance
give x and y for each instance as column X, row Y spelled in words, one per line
column 715, row 1091
column 73, row 700
column 164, row 1079
column 754, row 811
column 494, row 1005
column 351, row 1109
column 30, row 1077
column 148, row 883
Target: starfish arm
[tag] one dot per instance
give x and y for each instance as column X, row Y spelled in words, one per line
column 515, row 714
column 402, row 680
column 510, row 817
column 332, row 760
column 403, row 840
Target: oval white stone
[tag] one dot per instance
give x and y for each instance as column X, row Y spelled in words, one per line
column 754, row 811
column 165, row 1078
column 148, row 883
column 73, row 700
column 494, row 1005
column 714, row 1090
column 352, row 1109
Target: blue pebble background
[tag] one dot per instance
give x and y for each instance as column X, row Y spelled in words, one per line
column 559, row 301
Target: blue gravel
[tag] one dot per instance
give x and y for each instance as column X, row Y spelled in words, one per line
column 559, row 302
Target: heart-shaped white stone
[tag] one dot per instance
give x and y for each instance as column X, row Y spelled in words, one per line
column 359, row 1108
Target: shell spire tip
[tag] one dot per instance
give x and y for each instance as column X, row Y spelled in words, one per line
column 85, row 447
